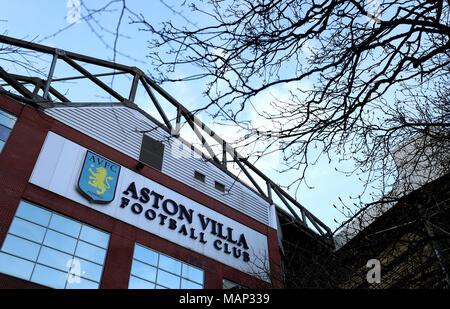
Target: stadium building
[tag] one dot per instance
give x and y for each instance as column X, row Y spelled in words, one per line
column 109, row 195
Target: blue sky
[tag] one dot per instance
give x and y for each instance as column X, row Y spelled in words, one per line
column 41, row 20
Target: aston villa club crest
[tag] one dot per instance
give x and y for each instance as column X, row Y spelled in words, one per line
column 98, row 178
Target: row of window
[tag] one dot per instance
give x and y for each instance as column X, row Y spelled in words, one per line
column 44, row 247
column 7, row 122
column 47, row 248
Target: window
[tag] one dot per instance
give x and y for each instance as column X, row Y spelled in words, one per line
column 7, row 122
column 219, row 186
column 199, row 176
column 227, row 284
column 153, row 270
column 52, row 250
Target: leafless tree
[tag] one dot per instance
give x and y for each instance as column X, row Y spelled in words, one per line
column 379, row 85
column 378, row 70
column 410, row 242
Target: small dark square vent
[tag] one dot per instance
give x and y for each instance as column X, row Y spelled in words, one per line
column 152, row 152
column 219, row 186
column 199, row 176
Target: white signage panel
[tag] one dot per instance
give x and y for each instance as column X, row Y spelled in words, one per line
column 70, row 170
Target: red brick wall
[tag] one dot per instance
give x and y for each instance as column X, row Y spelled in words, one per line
column 16, row 164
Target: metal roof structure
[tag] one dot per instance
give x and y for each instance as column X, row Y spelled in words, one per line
column 41, row 93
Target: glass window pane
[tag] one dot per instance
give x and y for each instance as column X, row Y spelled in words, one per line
column 169, row 271
column 227, row 284
column 193, row 273
column 146, row 255
column 90, row 270
column 168, row 280
column 55, row 259
column 136, row 283
column 143, row 271
column 185, row 284
column 4, row 133
column 2, row 144
column 7, row 119
column 90, row 252
column 21, row 247
column 33, row 213
column 94, row 236
column 34, row 251
column 169, row 264
column 65, row 225
column 59, row 241
column 81, row 283
column 27, row 230
column 49, row 277
column 158, row 287
column 15, row 266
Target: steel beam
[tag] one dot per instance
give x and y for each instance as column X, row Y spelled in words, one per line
column 94, row 79
column 201, row 138
column 242, row 167
column 50, row 75
column 286, row 203
column 134, row 86
column 13, row 82
column 74, row 56
column 156, row 104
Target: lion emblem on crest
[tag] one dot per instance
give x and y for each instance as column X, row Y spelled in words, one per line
column 99, row 179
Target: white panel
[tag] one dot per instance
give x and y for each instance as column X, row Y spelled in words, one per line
column 120, row 128
column 66, row 172
column 45, row 165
